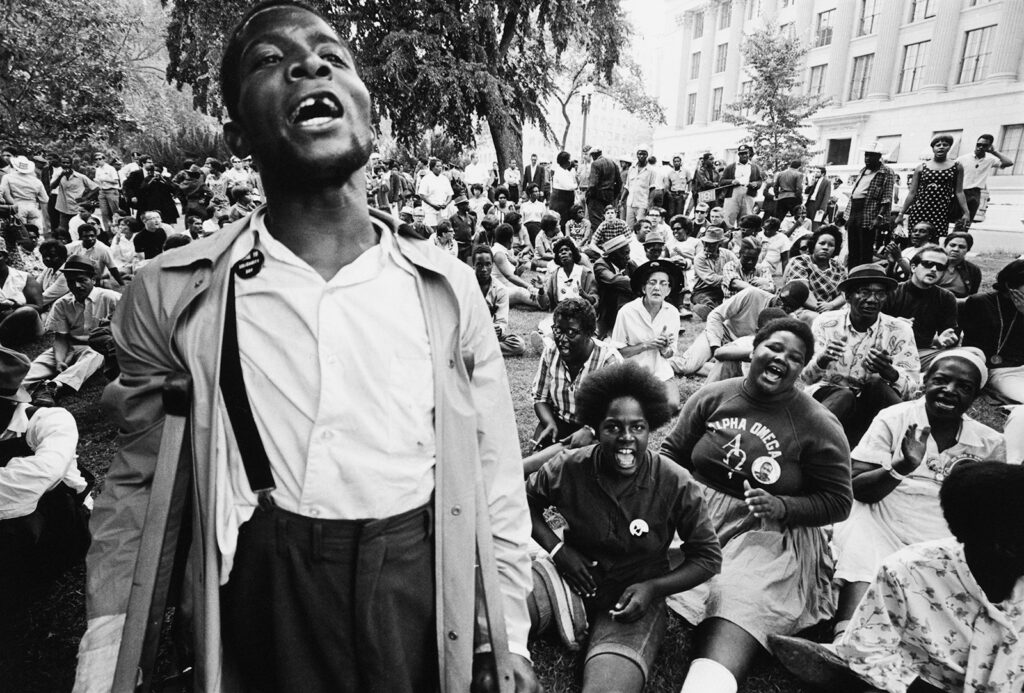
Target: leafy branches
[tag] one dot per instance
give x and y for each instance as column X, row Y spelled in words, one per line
column 774, row 110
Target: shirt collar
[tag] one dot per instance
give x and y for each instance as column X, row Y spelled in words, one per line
column 18, row 424
column 849, row 325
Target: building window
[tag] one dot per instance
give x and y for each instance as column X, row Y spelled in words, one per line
column 787, row 3
column 838, row 152
column 921, row 9
column 868, row 12
column 890, row 147
column 698, row 25
column 954, row 151
column 746, row 89
column 1012, row 145
column 914, row 57
column 816, row 84
column 823, row 32
column 974, row 63
column 691, row 108
column 861, row 76
column 716, row 104
column 753, row 9
column 695, row 65
column 724, row 12
column 788, row 30
column 975, row 3
column 721, row 56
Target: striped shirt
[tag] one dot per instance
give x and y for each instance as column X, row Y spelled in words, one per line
column 555, row 386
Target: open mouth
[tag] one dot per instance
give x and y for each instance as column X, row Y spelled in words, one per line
column 944, row 404
column 316, row 110
column 625, row 458
column 774, row 373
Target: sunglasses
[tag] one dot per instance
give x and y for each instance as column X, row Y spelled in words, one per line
column 931, row 264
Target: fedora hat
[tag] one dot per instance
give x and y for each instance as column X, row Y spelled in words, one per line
column 714, row 234
column 14, row 367
column 655, row 236
column 79, row 264
column 614, row 243
column 865, row 274
column 22, row 164
column 872, row 147
column 642, row 273
column 461, row 199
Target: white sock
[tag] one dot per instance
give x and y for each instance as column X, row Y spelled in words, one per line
column 708, row 676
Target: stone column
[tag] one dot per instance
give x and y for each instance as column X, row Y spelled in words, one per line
column 684, row 70
column 1008, row 43
column 945, row 38
column 707, row 64
column 887, row 50
column 732, row 61
column 839, row 50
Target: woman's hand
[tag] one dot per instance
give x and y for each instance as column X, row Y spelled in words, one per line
column 575, row 568
column 762, row 504
column 913, row 448
column 633, row 603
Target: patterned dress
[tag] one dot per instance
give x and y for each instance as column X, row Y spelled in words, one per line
column 824, row 283
column 934, row 191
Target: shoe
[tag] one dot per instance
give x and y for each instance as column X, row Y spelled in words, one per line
column 816, row 664
column 46, row 395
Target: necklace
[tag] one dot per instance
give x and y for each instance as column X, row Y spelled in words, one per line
column 1000, row 339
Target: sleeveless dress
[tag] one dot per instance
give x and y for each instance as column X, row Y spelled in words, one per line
column 934, row 191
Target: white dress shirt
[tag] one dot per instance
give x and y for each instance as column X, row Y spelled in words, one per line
column 634, row 325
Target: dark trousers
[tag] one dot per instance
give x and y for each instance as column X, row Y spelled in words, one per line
column 675, row 203
column 860, row 234
column 856, row 411
column 597, row 200
column 973, row 196
column 332, row 606
column 785, row 206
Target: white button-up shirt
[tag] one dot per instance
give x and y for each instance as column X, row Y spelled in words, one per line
column 634, row 325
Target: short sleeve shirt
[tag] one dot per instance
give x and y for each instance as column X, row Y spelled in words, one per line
column 76, row 320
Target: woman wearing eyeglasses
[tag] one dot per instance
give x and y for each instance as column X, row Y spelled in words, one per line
column 775, row 470
column 647, row 328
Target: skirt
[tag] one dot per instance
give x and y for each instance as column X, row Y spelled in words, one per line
column 774, row 579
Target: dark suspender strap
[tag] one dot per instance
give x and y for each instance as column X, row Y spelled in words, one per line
column 236, row 400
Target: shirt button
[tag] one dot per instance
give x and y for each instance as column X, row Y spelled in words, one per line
column 451, row 363
column 456, row 510
column 452, row 635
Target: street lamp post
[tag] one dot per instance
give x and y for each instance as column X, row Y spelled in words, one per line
column 586, row 92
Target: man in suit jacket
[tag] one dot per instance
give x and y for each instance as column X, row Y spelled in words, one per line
column 745, row 176
column 819, row 194
column 604, row 186
column 535, row 174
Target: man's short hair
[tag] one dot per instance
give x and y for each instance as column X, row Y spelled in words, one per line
column 578, row 309
column 151, row 213
column 988, row 137
column 480, row 248
column 927, row 248
column 230, row 82
column 86, row 228
column 54, row 244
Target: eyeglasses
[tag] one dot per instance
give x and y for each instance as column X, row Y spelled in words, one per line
column 880, row 294
column 700, row 211
column 931, row 264
column 568, row 334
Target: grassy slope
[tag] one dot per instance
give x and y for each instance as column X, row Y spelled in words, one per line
column 38, row 647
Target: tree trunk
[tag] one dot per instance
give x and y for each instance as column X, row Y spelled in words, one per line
column 507, row 133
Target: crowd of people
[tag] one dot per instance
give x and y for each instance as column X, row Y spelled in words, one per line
column 825, row 470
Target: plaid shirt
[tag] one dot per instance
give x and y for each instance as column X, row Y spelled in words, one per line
column 554, row 385
column 761, row 277
column 607, row 231
column 878, row 198
column 824, row 283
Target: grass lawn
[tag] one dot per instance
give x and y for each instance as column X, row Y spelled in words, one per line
column 38, row 647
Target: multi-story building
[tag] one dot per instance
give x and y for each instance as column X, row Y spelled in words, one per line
column 896, row 71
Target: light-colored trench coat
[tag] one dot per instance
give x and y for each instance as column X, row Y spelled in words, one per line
column 171, row 321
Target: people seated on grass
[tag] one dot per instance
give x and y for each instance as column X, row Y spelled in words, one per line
column 775, row 469
column 736, row 318
column 865, row 360
column 122, row 245
column 993, row 321
column 507, row 271
column 571, row 355
column 748, row 226
column 543, row 247
column 732, row 359
column 930, row 309
column 149, row 241
column 496, row 298
column 444, row 237
column 52, row 281
column 612, row 273
column 86, row 215
column 570, row 277
column 242, row 202
column 608, row 229
column 98, row 252
column 899, row 465
column 28, row 251
column 708, row 268
column 922, row 234
column 775, row 247
column 700, row 219
column 646, row 329
column 618, row 512
column 43, row 495
column 70, row 361
column 943, row 615
column 747, row 270
column 962, row 277
column 578, row 226
column 21, row 300
column 820, row 269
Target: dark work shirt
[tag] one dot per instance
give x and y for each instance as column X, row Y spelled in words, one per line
column 990, row 320
column 933, row 310
column 629, row 534
column 789, row 445
column 150, row 243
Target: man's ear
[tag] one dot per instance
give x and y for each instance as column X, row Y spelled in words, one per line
column 236, row 140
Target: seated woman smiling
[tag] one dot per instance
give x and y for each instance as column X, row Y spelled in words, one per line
column 623, row 506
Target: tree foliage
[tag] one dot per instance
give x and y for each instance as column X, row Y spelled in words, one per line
column 625, row 86
column 431, row 63
column 775, row 109
column 62, row 71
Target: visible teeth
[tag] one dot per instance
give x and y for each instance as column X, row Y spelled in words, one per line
column 624, row 458
column 317, row 121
